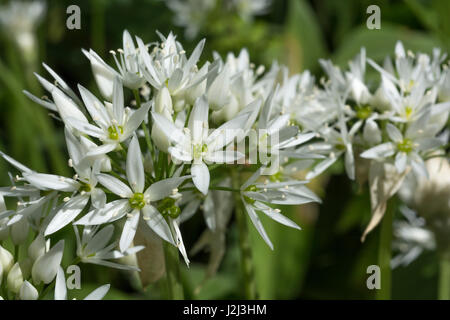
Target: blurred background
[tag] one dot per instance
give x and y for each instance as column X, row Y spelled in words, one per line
column 326, row 260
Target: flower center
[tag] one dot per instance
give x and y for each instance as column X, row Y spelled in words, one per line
column 408, row 112
column 199, row 149
column 363, row 112
column 85, row 187
column 114, row 132
column 405, row 146
column 168, row 208
column 137, row 201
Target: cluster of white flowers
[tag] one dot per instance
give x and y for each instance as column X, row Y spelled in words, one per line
column 156, row 154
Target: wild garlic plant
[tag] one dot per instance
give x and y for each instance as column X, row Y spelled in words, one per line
column 172, row 136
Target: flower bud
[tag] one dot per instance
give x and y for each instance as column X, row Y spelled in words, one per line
column 219, row 91
column 163, row 103
column 372, row 133
column 28, row 292
column 6, row 260
column 15, row 279
column 228, row 112
column 19, row 231
column 37, row 247
column 198, row 90
column 46, row 266
column 160, row 139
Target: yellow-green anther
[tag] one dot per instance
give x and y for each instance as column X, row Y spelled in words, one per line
column 405, row 146
column 199, row 149
column 363, row 112
column 114, row 132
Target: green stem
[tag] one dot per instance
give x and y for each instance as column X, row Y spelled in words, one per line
column 385, row 252
column 244, row 242
column 173, row 273
column 444, row 277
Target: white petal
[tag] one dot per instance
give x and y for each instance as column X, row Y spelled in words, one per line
column 115, row 185
column 85, row 127
column 46, row 266
column 129, row 230
column 200, row 177
column 226, row 133
column 278, row 217
column 118, row 100
column 100, row 240
column 101, row 150
column 98, row 198
column 394, row 133
column 321, row 167
column 135, row 120
column 66, row 107
column 103, row 74
column 99, row 293
column 164, row 188
column 15, row 163
column 96, row 109
column 171, row 132
column 69, row 211
column 157, row 223
column 60, row 286
column 198, row 120
column 44, row 181
column 257, row 223
column 111, row 212
column 383, row 150
column 135, row 166
column 400, row 161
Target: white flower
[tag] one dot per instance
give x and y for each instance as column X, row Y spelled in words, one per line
column 114, row 124
column 167, row 65
column 336, row 143
column 93, row 247
column 28, row 291
column 15, row 279
column 255, row 197
column 87, row 187
column 128, row 65
column 195, row 143
column 407, row 147
column 134, row 200
column 6, row 260
column 411, row 238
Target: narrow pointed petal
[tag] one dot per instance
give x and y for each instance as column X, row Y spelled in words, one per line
column 129, row 230
column 69, row 211
column 164, row 188
column 115, row 185
column 200, row 177
column 99, row 293
column 135, row 166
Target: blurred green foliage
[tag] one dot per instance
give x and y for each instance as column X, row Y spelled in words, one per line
column 323, row 261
